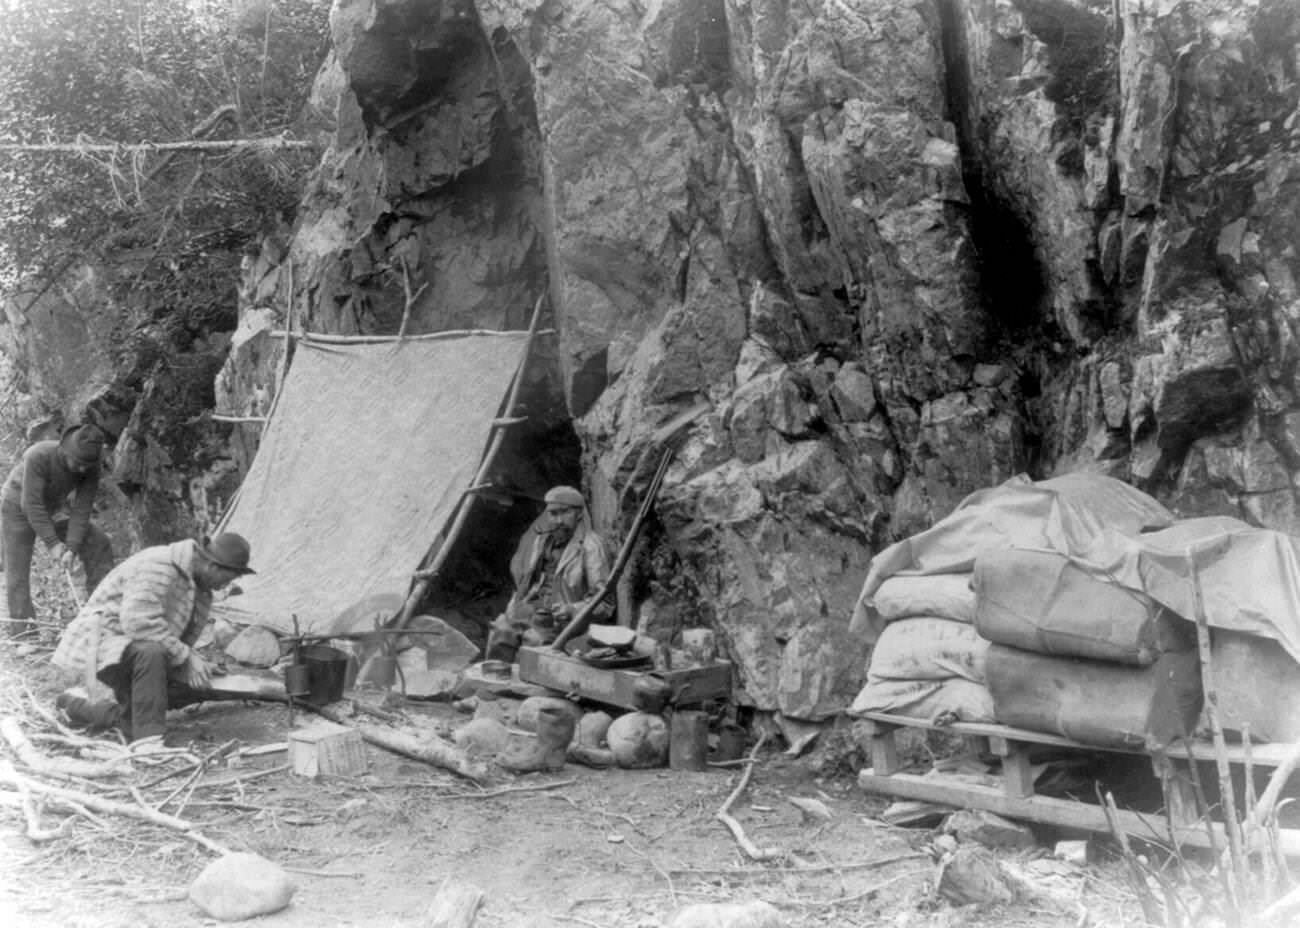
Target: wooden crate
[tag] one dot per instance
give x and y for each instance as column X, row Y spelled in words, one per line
column 325, row 748
column 570, row 676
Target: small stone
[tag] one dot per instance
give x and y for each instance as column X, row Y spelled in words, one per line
column 973, row 875
column 240, row 886
column 980, row 827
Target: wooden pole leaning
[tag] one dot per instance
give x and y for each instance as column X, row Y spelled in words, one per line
column 425, row 575
column 282, row 374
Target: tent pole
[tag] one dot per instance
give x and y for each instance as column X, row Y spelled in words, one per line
column 275, row 400
column 326, row 338
column 425, row 576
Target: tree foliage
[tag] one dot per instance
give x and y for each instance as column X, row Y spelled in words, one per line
column 164, row 229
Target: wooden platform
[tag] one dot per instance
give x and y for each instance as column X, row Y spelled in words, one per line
column 1016, row 797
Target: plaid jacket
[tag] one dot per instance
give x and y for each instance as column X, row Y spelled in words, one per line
column 151, row 596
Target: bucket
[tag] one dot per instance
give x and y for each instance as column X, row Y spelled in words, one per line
column 296, row 683
column 326, row 670
column 688, row 740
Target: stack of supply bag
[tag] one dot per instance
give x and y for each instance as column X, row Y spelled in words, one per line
column 929, row 667
column 918, row 606
column 1077, row 655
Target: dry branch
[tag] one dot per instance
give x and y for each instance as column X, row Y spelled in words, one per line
column 820, row 868
column 109, row 807
column 1234, row 869
column 490, row 793
column 32, row 758
column 35, row 833
column 753, row 851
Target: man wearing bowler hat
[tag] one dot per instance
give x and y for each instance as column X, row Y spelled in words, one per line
column 52, row 477
column 560, row 564
column 137, row 634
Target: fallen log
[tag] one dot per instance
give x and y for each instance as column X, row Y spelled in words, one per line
column 37, row 761
column 431, row 750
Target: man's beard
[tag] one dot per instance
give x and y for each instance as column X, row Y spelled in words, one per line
column 561, row 534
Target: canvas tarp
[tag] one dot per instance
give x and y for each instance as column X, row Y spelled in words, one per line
column 368, row 451
column 1249, row 577
column 1062, row 514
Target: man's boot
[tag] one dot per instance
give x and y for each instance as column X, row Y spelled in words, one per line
column 544, row 750
column 84, row 712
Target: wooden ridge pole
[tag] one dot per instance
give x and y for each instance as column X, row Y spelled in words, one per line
column 424, row 576
column 282, row 375
column 328, row 339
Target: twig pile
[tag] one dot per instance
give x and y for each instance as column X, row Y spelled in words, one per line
column 81, row 790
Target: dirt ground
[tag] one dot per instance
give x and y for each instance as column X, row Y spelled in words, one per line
column 588, row 847
column 607, row 848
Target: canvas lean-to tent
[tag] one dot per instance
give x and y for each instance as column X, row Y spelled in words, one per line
column 369, row 450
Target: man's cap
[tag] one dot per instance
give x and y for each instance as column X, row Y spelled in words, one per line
column 83, row 443
column 566, row 497
column 229, row 550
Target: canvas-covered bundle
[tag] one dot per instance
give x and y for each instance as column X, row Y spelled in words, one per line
column 1050, row 603
column 917, row 604
column 1097, row 702
column 1066, row 514
column 1257, row 687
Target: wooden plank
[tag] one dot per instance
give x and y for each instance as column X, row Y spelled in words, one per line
column 1261, row 755
column 884, row 752
column 1063, row 812
column 1017, row 773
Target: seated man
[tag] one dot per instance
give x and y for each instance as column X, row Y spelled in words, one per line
column 39, row 487
column 136, row 634
column 560, row 564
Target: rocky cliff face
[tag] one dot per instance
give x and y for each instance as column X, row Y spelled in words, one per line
column 902, row 250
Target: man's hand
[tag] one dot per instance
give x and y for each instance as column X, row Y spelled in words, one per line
column 197, row 672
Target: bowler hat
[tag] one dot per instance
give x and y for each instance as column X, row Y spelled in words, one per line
column 230, row 551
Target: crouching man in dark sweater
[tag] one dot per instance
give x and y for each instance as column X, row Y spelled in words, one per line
column 49, row 495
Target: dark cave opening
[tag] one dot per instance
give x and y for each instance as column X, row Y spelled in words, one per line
column 1012, row 281
column 536, row 454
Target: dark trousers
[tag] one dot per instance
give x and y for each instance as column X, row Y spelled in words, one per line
column 19, row 539
column 143, row 691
